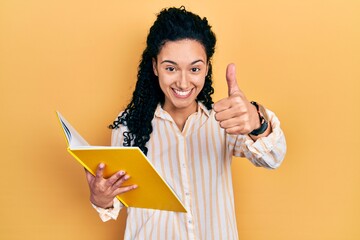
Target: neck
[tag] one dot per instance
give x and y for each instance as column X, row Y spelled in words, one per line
column 181, row 115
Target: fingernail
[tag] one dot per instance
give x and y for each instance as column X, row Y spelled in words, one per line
column 127, row 177
column 121, row 173
column 135, row 186
column 102, row 165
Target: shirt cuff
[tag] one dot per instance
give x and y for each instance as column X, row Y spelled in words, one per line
column 267, row 151
column 109, row 213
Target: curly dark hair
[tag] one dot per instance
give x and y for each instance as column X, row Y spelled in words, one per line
column 172, row 24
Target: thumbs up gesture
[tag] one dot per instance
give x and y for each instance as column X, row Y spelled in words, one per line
column 235, row 113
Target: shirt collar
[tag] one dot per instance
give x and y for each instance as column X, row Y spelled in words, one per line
column 201, row 107
column 161, row 113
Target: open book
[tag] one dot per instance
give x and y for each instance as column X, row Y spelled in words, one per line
column 152, row 192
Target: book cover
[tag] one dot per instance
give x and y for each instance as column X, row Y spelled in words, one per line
column 153, row 192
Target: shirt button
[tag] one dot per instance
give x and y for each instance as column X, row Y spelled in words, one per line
column 190, row 221
column 187, row 194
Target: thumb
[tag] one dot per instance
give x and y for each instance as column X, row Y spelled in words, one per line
column 231, row 79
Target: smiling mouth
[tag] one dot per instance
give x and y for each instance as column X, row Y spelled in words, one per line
column 182, row 94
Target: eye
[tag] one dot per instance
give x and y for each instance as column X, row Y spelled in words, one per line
column 194, row 69
column 170, row 69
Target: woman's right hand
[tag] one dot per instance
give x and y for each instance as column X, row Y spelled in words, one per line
column 103, row 191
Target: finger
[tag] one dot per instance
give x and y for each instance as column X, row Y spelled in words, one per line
column 236, row 130
column 114, row 178
column 121, row 181
column 231, row 79
column 89, row 176
column 222, row 105
column 100, row 171
column 125, row 189
column 230, row 123
column 229, row 113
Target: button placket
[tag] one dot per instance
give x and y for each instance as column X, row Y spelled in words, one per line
column 185, row 179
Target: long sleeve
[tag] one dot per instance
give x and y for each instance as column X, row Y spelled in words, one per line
column 110, row 213
column 268, row 152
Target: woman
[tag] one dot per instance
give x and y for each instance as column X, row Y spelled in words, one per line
column 189, row 140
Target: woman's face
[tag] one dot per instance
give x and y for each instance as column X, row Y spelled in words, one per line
column 181, row 67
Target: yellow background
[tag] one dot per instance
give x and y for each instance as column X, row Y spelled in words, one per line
column 300, row 58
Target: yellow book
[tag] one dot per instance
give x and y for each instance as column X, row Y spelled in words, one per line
column 152, row 192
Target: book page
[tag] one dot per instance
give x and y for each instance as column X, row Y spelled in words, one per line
column 73, row 138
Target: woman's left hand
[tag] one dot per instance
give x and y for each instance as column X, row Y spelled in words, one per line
column 235, row 113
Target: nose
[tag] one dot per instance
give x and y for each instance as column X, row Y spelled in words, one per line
column 183, row 82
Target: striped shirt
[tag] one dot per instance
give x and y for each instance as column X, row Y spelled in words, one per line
column 196, row 163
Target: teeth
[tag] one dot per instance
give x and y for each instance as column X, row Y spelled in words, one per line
column 182, row 93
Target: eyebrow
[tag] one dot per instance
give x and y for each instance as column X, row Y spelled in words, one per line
column 172, row 62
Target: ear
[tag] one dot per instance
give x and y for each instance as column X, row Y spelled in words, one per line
column 154, row 67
